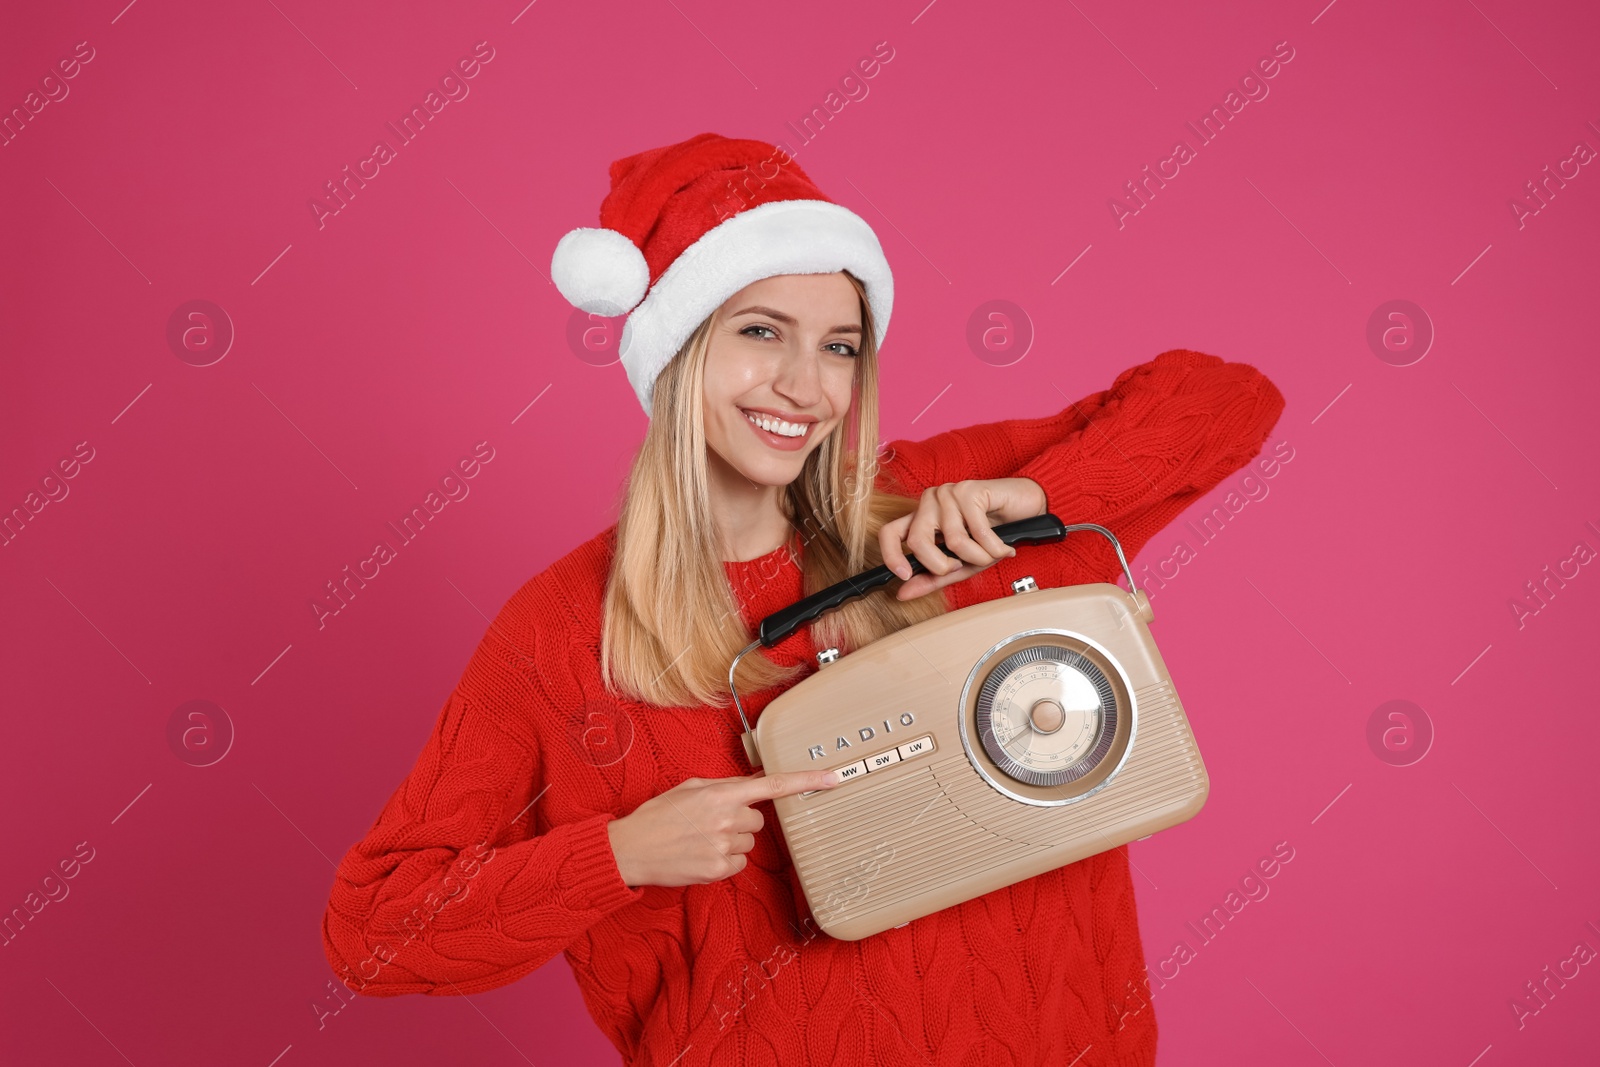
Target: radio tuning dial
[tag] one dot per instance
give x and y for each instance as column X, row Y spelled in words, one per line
column 1046, row 715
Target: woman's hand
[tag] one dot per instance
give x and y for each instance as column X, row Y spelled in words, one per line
column 965, row 513
column 699, row 830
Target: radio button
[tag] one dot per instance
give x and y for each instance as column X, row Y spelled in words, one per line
column 917, row 747
column 881, row 760
column 856, row 769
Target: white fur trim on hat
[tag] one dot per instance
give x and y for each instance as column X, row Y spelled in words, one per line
column 781, row 237
column 599, row 270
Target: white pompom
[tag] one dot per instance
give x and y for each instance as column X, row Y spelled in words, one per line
column 600, row 271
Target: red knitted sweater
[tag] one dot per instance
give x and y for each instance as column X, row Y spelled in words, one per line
column 492, row 856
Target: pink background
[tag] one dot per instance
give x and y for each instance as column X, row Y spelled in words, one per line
column 373, row 353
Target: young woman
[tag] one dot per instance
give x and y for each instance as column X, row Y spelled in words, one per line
column 585, row 790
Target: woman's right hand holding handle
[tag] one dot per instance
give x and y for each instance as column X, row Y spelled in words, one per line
column 699, row 830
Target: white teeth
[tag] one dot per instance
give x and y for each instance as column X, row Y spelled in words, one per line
column 777, row 426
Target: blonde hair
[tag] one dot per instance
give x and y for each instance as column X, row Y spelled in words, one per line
column 671, row 623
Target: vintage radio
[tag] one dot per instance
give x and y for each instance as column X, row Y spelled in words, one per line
column 976, row 749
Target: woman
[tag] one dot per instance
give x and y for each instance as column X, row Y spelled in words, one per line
column 585, row 791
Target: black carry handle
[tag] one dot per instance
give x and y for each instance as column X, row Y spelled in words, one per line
column 1040, row 530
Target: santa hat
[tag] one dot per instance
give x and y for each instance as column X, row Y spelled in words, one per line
column 687, row 226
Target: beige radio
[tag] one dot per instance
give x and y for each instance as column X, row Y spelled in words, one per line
column 976, row 749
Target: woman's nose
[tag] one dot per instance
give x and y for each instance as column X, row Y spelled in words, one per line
column 800, row 379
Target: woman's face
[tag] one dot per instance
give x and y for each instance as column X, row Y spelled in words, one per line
column 783, row 351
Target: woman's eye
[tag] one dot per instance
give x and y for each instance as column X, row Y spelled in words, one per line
column 753, row 326
column 849, row 349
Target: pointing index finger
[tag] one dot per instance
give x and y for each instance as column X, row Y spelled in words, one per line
column 784, row 784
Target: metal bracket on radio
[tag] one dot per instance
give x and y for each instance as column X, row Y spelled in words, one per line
column 751, row 752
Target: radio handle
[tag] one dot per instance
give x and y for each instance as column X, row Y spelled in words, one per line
column 1040, row 529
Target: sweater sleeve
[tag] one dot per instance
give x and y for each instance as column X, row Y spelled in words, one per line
column 450, row 891
column 1129, row 458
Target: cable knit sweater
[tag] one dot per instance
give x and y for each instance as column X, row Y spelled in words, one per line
column 492, row 856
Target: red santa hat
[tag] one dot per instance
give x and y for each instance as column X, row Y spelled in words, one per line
column 686, row 226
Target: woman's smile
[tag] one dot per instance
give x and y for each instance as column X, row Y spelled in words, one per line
column 786, row 434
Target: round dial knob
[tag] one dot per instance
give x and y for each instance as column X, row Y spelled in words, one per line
column 1046, row 715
